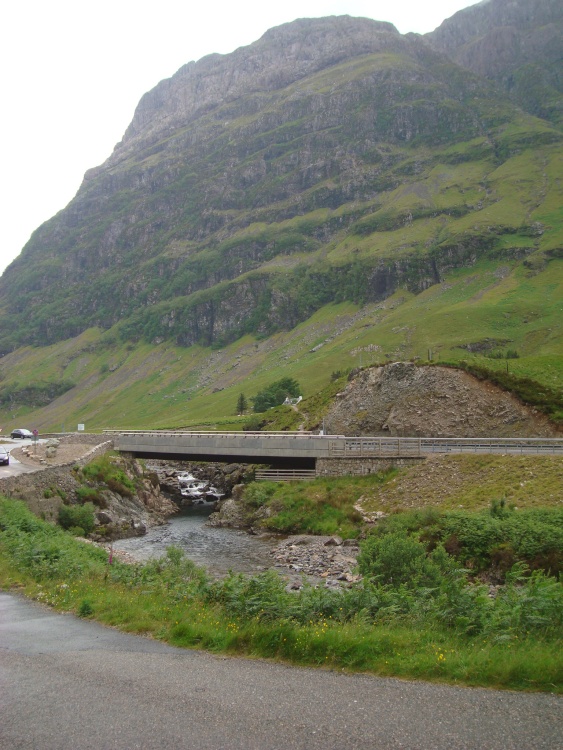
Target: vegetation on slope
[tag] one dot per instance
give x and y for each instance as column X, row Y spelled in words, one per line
column 448, row 631
column 246, row 227
column 138, row 385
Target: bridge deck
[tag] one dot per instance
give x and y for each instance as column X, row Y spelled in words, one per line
column 272, row 447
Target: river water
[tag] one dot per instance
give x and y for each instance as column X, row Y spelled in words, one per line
column 218, row 550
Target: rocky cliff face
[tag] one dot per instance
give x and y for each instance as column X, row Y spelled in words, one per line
column 283, row 56
column 405, row 400
column 517, row 44
column 332, row 160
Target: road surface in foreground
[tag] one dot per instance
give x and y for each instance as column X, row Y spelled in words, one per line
column 71, row 684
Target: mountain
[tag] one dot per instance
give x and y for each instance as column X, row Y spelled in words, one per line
column 517, row 44
column 333, row 188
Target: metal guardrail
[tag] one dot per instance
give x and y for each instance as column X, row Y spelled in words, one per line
column 413, row 447
column 284, row 475
column 241, row 434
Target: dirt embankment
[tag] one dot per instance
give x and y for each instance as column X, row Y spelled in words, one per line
column 403, row 399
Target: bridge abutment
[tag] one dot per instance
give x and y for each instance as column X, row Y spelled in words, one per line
column 338, row 467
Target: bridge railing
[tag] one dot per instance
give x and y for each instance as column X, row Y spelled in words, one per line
column 370, row 447
column 245, row 434
column 284, row 475
column 413, row 447
column 311, row 444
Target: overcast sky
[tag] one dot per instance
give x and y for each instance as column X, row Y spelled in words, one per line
column 74, row 73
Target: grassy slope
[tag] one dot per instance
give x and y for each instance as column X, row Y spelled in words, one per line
column 504, row 295
column 470, row 482
column 330, row 505
column 165, row 386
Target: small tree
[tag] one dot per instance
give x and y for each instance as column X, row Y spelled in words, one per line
column 242, row 404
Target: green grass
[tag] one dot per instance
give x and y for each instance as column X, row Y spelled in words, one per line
column 382, row 631
column 319, row 506
column 121, row 385
column 470, row 482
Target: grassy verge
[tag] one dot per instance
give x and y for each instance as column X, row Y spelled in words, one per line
column 321, row 506
column 373, row 628
column 469, row 482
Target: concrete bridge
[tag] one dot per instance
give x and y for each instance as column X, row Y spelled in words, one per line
column 322, row 454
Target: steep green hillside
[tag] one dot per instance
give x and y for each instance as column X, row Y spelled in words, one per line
column 473, row 314
column 331, row 195
column 384, row 170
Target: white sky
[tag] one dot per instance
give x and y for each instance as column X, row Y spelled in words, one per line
column 75, row 71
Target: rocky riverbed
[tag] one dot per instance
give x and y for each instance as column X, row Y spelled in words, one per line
column 318, row 559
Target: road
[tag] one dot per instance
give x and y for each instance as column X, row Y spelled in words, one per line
column 15, row 467
column 71, row 684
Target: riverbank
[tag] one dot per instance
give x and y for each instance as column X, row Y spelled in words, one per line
column 457, row 634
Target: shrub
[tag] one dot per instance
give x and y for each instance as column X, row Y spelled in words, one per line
column 253, row 424
column 71, row 516
column 106, row 469
column 258, row 493
column 85, row 608
column 495, row 538
column 90, row 495
column 76, row 531
column 398, row 559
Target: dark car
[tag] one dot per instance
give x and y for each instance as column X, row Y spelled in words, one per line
column 4, row 456
column 21, row 434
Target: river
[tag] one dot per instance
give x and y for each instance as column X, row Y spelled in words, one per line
column 218, row 550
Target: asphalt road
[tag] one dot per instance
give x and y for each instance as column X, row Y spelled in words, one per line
column 70, row 684
column 15, row 467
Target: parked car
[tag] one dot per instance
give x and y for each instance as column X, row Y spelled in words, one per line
column 4, row 456
column 21, row 434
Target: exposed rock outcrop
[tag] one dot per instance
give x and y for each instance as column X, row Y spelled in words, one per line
column 406, row 400
column 58, row 480
column 517, row 44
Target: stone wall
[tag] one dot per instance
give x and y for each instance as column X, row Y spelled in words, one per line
column 77, row 438
column 338, row 467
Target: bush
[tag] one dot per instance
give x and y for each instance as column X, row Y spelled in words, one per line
column 77, row 516
column 396, row 559
column 258, row 493
column 85, row 608
column 496, row 538
column 90, row 495
column 253, row 424
column 106, row 469
column 44, row 550
column 76, row 531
